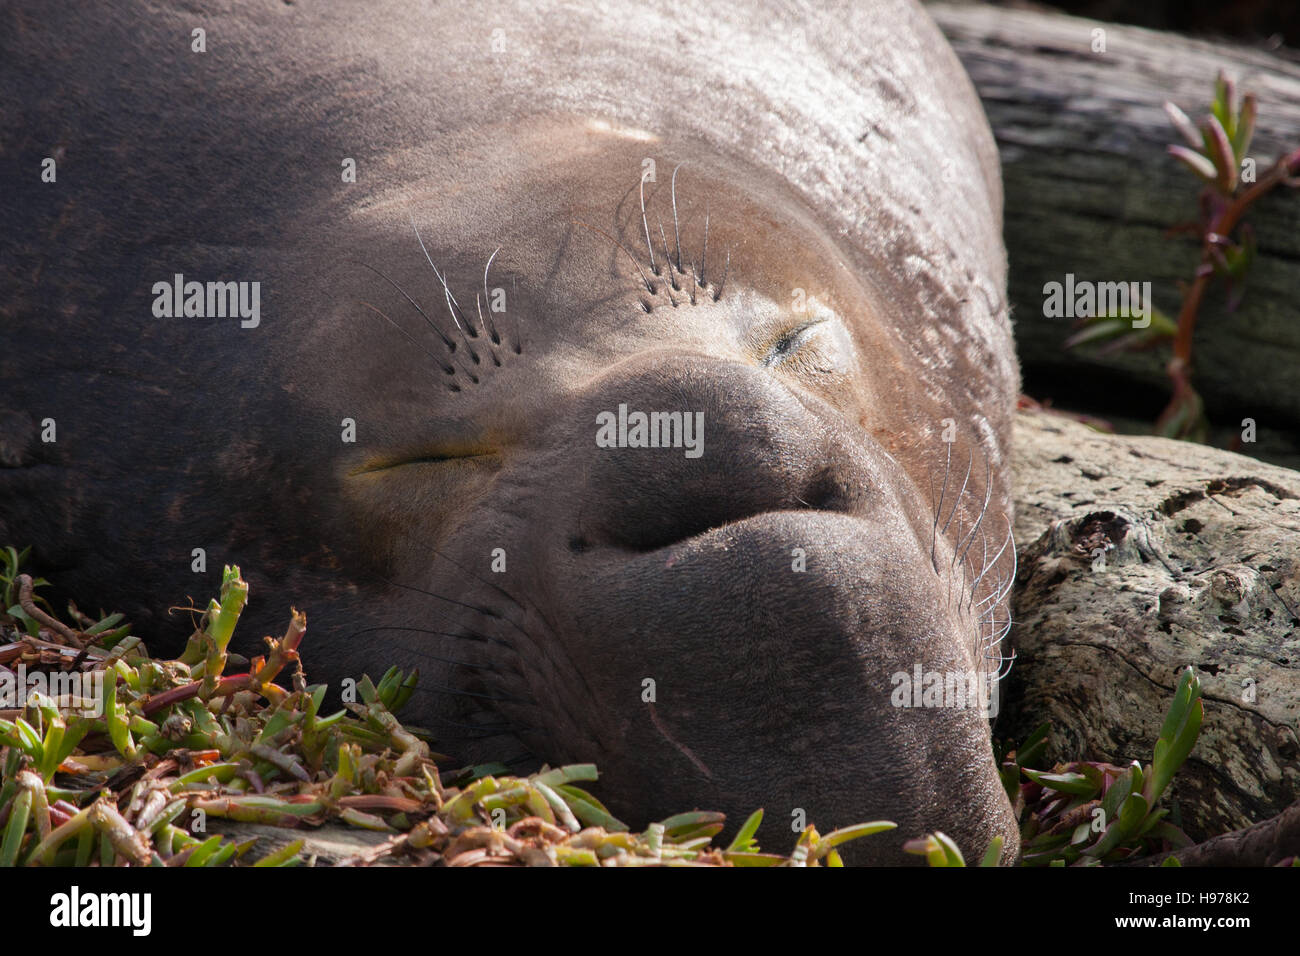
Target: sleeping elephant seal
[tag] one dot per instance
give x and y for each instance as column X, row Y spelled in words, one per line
column 641, row 375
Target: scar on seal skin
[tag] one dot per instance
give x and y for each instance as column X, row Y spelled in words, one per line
column 786, row 222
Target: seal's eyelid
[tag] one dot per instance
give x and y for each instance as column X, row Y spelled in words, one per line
column 428, row 458
column 790, row 342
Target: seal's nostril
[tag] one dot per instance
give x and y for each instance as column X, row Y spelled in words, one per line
column 578, row 544
column 826, row 491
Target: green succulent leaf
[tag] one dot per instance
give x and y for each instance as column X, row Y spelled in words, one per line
column 1073, row 783
column 1195, row 161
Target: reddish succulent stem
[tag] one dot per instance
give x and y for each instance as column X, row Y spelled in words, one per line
column 1220, row 227
column 283, row 652
column 225, row 687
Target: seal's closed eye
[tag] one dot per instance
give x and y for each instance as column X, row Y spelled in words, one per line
column 791, row 341
column 436, row 457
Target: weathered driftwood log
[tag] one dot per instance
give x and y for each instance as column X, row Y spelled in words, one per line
column 1271, row 842
column 1138, row 558
column 1090, row 191
column 330, row 845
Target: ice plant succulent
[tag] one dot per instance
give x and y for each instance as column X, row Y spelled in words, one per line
column 1217, row 153
column 176, row 743
column 1087, row 812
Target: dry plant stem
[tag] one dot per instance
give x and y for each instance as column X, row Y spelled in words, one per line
column 1180, row 365
column 29, row 605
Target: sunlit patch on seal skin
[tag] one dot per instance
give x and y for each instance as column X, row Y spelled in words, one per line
column 623, row 132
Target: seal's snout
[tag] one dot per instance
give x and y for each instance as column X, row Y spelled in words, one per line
column 746, row 612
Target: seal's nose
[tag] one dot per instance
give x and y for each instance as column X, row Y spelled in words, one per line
column 685, row 446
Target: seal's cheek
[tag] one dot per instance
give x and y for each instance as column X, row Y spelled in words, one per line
column 759, row 665
column 397, row 498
